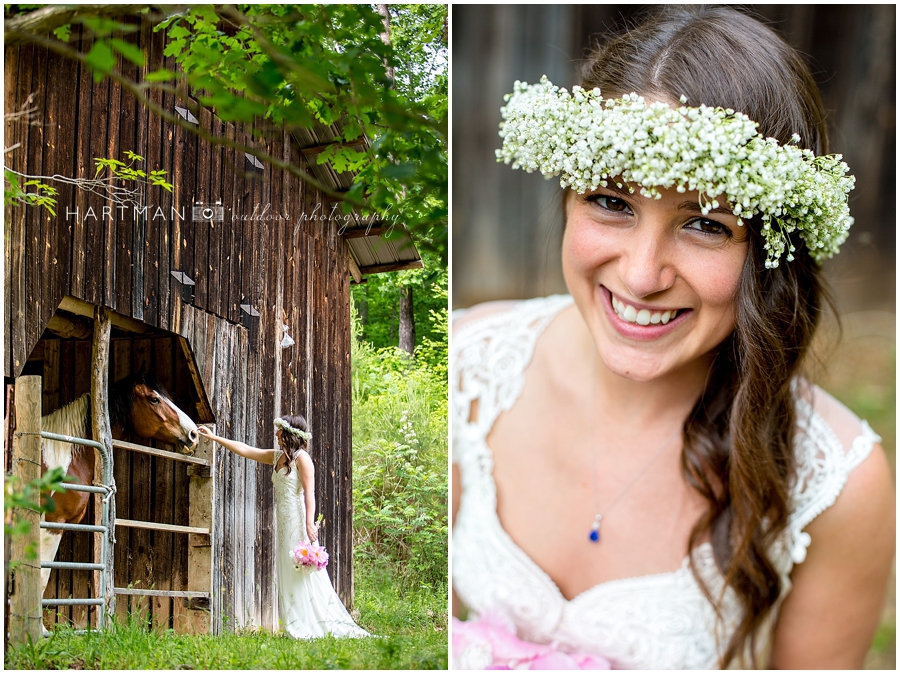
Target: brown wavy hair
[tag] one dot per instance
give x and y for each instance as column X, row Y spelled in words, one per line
column 738, row 449
column 290, row 443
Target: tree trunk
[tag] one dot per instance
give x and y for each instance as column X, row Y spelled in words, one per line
column 386, row 35
column 407, row 321
column 363, row 308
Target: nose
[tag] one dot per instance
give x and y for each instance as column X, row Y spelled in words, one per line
column 193, row 436
column 644, row 267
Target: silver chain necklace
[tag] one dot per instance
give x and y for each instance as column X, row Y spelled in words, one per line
column 594, row 535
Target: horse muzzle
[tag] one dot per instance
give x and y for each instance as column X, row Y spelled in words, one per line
column 190, row 446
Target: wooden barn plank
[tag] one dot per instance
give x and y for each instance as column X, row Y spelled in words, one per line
column 216, row 228
column 140, row 233
column 169, row 455
column 180, row 614
column 128, row 226
column 189, row 196
column 35, row 279
column 16, row 262
column 164, row 496
column 202, row 227
column 164, row 228
column 229, row 250
column 113, row 150
column 60, row 123
column 250, row 255
column 216, row 603
column 13, row 228
column 162, row 527
column 181, row 141
column 200, row 552
column 83, row 168
column 94, row 240
column 51, row 377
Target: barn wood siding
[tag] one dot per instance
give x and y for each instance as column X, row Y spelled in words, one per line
column 126, row 263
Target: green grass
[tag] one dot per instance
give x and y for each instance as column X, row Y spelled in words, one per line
column 411, row 624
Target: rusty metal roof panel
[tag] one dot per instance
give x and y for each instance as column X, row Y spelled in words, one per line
column 371, row 252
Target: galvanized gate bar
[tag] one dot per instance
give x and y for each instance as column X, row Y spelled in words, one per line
column 107, row 488
column 71, row 602
column 66, row 526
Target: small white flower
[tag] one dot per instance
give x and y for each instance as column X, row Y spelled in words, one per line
column 585, row 139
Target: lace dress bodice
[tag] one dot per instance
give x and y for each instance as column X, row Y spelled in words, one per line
column 661, row 621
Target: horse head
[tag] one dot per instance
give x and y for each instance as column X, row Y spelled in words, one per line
column 143, row 406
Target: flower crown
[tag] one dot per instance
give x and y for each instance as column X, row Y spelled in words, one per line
column 588, row 140
column 285, row 426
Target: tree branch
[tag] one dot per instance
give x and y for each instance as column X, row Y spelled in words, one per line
column 21, row 27
column 137, row 90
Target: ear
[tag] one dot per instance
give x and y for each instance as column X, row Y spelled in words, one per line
column 141, row 375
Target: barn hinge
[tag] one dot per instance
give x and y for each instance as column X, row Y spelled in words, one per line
column 187, row 286
column 186, row 115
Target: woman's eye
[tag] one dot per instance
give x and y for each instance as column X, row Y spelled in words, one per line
column 613, row 204
column 710, row 227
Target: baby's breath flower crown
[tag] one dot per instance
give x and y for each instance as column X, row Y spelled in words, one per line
column 285, row 426
column 588, row 140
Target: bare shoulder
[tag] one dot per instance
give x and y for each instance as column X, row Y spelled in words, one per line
column 304, row 461
column 830, row 615
column 463, row 317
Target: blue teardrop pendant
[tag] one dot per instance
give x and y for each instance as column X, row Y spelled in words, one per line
column 594, row 536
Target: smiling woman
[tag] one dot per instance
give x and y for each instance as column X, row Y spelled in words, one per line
column 644, row 477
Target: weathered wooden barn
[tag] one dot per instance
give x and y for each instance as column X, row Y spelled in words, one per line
column 205, row 304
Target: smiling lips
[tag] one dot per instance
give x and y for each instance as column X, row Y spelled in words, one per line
column 630, row 314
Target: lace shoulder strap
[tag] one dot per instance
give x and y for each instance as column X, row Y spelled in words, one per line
column 823, row 466
column 489, row 356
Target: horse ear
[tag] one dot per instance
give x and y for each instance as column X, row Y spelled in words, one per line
column 142, row 373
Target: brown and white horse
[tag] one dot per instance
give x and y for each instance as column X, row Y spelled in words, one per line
column 137, row 406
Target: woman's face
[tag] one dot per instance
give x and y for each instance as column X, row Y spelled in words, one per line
column 654, row 279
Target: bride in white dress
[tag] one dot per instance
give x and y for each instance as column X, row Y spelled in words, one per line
column 643, row 478
column 308, row 605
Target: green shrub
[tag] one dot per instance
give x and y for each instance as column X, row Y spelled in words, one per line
column 400, row 460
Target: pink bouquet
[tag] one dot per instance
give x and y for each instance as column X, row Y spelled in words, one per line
column 489, row 643
column 310, row 554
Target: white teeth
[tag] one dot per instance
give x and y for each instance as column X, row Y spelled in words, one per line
column 643, row 316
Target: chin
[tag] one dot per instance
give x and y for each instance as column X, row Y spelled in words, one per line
column 634, row 367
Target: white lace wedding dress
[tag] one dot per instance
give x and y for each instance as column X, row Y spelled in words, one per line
column 660, row 621
column 308, row 605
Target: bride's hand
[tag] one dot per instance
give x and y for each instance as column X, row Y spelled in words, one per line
column 205, row 432
column 312, row 530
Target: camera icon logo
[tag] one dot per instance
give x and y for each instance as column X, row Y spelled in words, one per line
column 214, row 212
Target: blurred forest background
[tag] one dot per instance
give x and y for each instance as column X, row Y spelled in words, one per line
column 507, row 224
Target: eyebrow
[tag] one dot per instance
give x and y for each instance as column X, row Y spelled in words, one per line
column 694, row 207
column 690, row 206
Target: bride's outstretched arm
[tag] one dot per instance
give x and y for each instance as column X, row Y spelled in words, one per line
column 308, row 480
column 266, row 456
